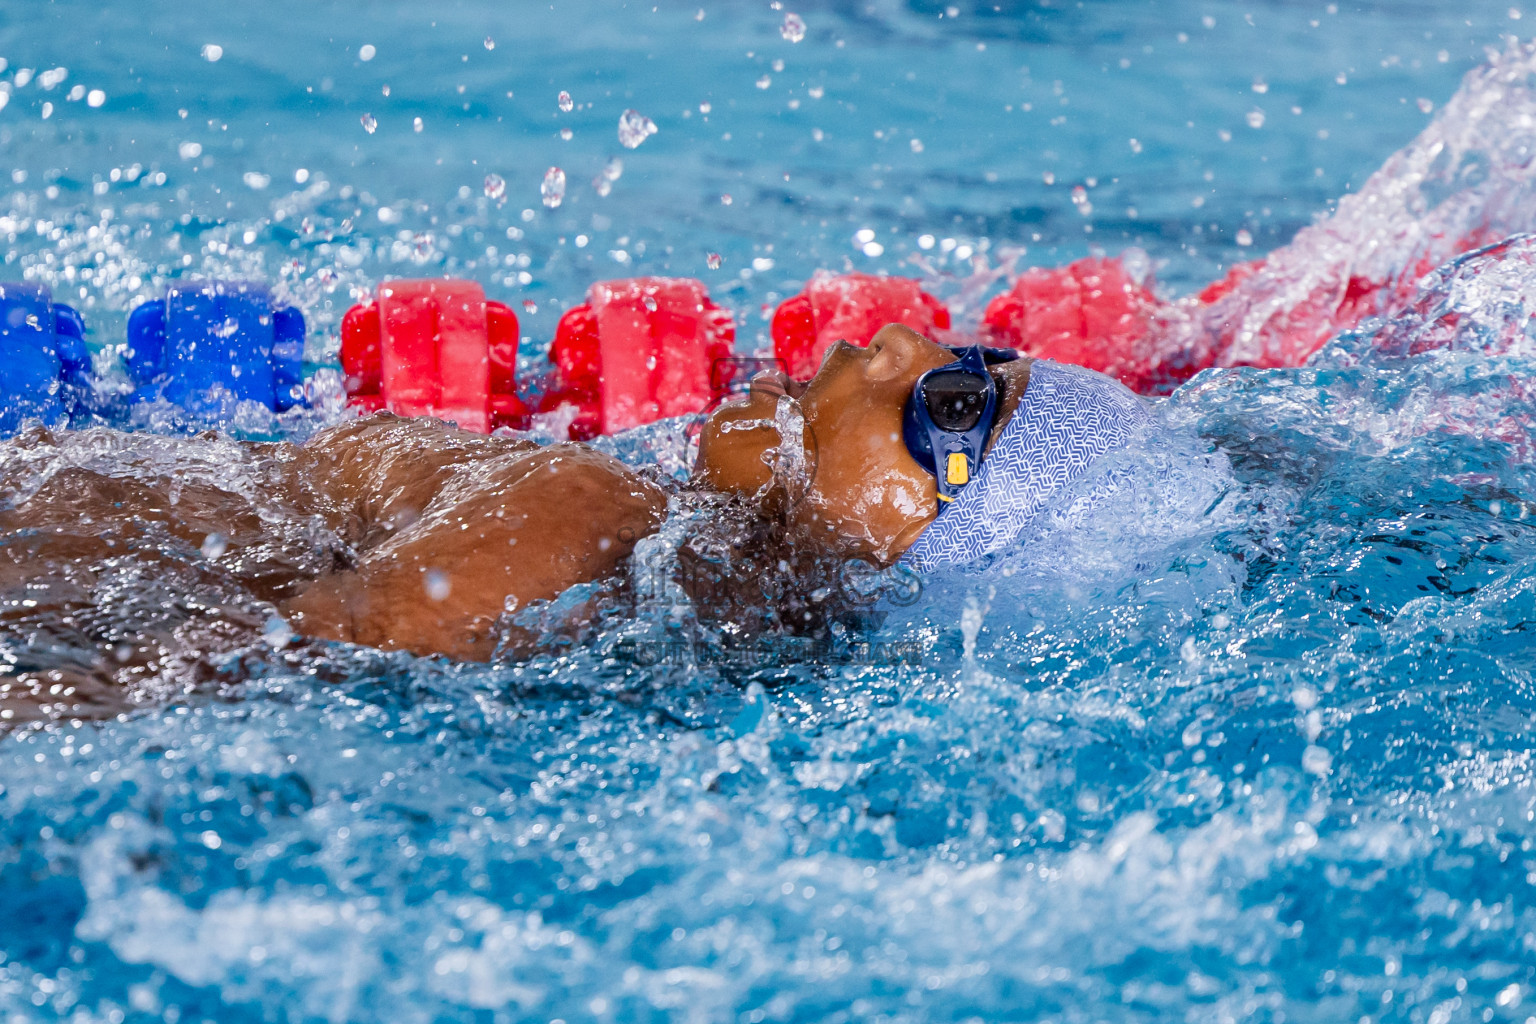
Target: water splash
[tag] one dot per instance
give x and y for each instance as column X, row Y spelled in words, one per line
column 1465, row 181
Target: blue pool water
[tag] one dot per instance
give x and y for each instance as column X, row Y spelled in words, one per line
column 1250, row 744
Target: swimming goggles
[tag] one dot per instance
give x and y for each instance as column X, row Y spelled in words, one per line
column 952, row 409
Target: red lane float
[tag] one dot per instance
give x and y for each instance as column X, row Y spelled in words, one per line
column 434, row 348
column 639, row 350
column 848, row 307
column 1091, row 312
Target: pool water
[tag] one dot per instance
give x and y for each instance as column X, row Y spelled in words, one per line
column 1249, row 744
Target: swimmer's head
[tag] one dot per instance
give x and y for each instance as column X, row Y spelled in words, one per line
column 828, row 455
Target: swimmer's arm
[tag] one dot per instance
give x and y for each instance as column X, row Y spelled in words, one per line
column 379, row 474
column 508, row 533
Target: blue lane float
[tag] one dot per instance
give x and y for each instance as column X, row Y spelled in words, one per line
column 207, row 343
column 44, row 364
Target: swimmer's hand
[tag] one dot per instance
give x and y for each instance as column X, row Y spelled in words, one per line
column 450, row 544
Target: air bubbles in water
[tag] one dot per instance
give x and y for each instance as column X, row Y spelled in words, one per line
column 565, row 101
column 793, row 28
column 370, row 123
column 1426, row 105
column 1255, row 119
column 1244, row 237
column 714, row 260
column 495, row 187
column 490, row 44
column 1080, row 200
column 366, row 52
column 635, row 128
column 553, row 187
column 214, row 545
column 530, row 307
column 566, row 134
column 212, row 52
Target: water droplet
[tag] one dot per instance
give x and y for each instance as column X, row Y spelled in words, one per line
column 438, row 587
column 917, row 145
column 565, row 101
column 725, row 200
column 816, row 92
column 490, row 44
column 793, row 28
column 714, row 260
column 1260, row 86
column 416, row 124
column 370, row 123
column 603, row 183
column 1080, row 200
column 1049, row 177
column 1244, row 237
column 366, row 52
column 212, row 52
column 635, row 128
column 553, row 187
column 277, row 632
column 495, row 187
column 95, row 98
column 565, row 134
column 1426, row 105
column 765, row 82
column 1135, row 145
column 1255, row 119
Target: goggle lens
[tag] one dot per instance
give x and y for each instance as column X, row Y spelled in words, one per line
column 956, row 400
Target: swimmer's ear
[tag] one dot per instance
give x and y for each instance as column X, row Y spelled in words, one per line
column 893, row 351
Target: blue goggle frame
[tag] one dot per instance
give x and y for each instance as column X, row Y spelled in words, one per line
column 950, row 394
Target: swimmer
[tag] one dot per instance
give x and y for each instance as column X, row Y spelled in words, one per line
column 411, row 534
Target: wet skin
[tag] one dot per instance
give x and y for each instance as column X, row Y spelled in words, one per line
column 457, row 528
column 859, row 493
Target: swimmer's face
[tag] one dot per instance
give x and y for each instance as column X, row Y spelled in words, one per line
column 830, row 452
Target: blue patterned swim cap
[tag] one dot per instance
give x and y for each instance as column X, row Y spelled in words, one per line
column 1067, row 418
